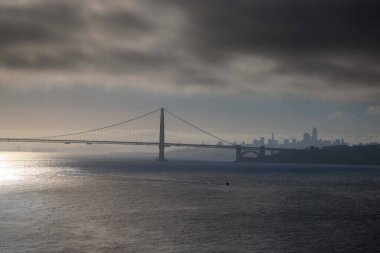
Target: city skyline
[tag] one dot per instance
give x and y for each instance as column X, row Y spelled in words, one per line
column 308, row 140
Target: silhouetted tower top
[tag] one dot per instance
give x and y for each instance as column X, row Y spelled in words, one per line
column 314, row 135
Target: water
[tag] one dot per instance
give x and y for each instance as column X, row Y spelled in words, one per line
column 55, row 203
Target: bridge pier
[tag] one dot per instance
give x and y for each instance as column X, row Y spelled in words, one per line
column 161, row 145
column 262, row 153
column 238, row 156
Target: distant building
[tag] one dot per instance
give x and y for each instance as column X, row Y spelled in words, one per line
column 274, row 142
column 326, row 143
column 262, row 141
column 306, row 138
column 314, row 135
column 337, row 142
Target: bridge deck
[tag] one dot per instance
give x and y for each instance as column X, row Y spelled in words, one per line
column 73, row 141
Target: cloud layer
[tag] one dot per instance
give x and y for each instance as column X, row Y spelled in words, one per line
column 316, row 48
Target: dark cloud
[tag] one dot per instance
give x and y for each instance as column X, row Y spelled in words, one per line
column 123, row 21
column 304, row 37
column 125, row 60
column 43, row 22
column 316, row 47
column 349, row 72
column 56, row 35
column 285, row 27
column 66, row 60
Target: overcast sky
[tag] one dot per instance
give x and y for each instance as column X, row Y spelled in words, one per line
column 240, row 67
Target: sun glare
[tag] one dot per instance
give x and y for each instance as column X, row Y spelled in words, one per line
column 7, row 171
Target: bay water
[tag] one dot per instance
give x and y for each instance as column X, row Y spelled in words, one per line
column 71, row 203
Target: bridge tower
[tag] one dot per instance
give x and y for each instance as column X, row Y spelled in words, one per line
column 161, row 145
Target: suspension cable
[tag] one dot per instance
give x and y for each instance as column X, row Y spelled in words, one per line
column 198, row 128
column 101, row 128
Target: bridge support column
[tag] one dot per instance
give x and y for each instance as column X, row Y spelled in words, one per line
column 238, row 156
column 262, row 153
column 161, row 144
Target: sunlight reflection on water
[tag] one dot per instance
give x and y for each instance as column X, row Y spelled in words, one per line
column 7, row 171
column 20, row 167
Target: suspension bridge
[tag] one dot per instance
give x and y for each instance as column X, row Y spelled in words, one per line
column 160, row 128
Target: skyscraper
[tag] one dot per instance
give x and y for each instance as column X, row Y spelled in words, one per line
column 314, row 135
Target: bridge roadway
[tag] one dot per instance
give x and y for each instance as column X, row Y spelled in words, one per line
column 167, row 144
column 72, row 141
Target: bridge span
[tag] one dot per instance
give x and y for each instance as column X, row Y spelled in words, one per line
column 121, row 138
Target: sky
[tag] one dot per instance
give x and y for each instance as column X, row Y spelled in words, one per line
column 241, row 69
